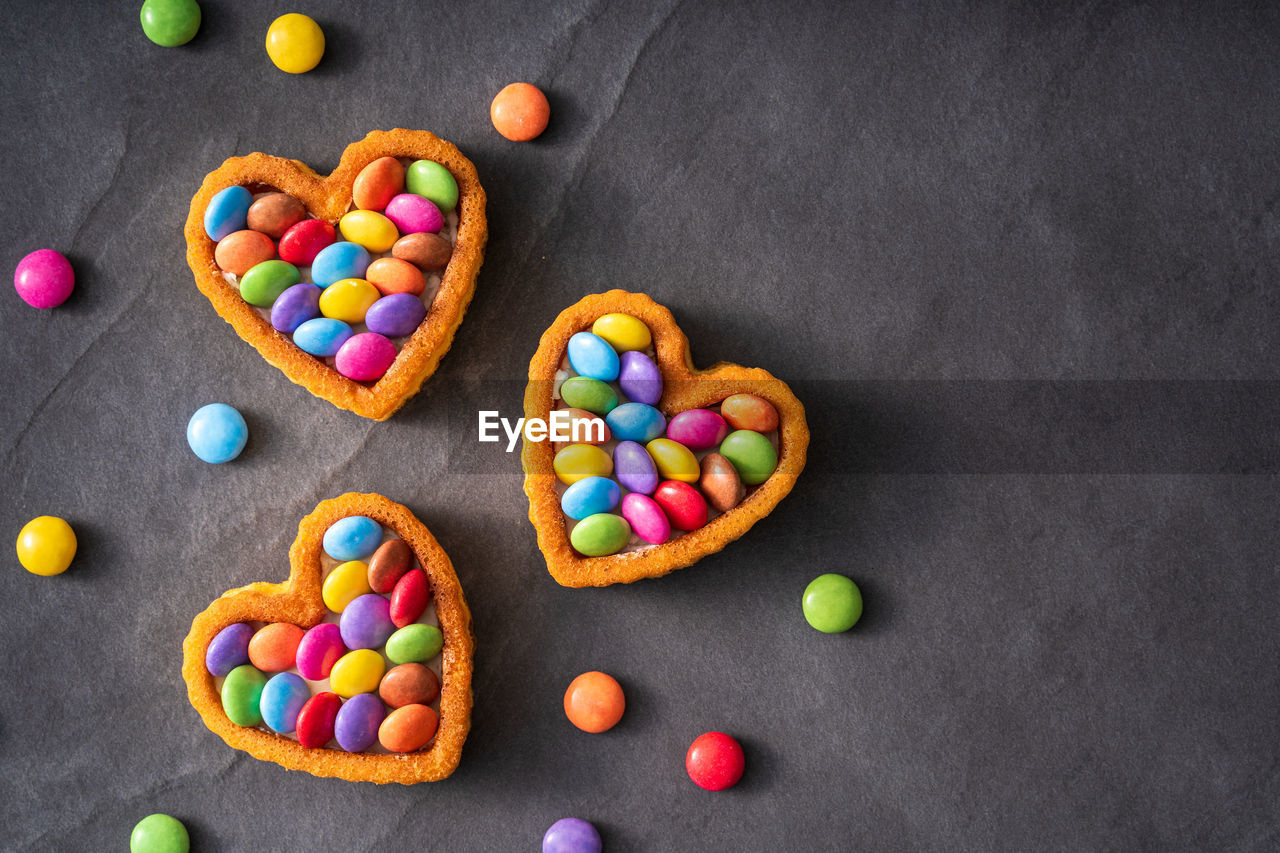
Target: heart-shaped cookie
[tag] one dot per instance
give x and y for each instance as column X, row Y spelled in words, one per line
column 375, row 390
column 690, row 502
column 288, row 629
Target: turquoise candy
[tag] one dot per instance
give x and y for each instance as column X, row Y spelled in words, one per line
column 583, row 392
column 590, row 355
column 352, row 538
column 282, row 698
column 322, row 336
column 636, row 422
column 752, row 455
column 338, row 261
column 228, row 212
column 589, row 496
column 600, row 535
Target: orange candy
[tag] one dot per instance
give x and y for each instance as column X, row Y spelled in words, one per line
column 520, row 112
column 274, row 648
column 594, row 702
column 392, row 275
column 747, row 411
column 241, row 251
column 378, row 183
column 408, row 728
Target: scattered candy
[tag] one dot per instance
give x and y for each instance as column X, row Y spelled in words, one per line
column 409, row 684
column 295, row 43
column 170, row 23
column 357, row 672
column 600, row 535
column 572, row 835
column 275, row 213
column 377, row 184
column 715, row 761
column 228, row 649
column 520, row 112
column 356, row 725
column 242, row 695
column 227, row 212
column 434, row 182
column 392, row 559
column 316, row 719
column 832, row 603
column 318, row 650
column 217, row 433
column 424, row 251
column 352, row 538
column 241, row 251
column 159, row 833
column 365, row 357
column 415, row 643
column 282, row 699
column 751, row 454
column 46, row 545
column 44, row 279
column 408, row 728
column 409, row 599
column 594, row 702
column 274, row 647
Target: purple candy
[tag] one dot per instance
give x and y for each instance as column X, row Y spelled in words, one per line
column 229, row 649
column 572, row 835
column 44, row 279
column 319, row 650
column 633, row 467
column 640, row 379
column 396, row 315
column 413, row 214
column 698, row 429
column 356, row 726
column 366, row 622
column 295, row 306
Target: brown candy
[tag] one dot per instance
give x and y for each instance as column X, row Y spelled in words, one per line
column 378, row 183
column 392, row 559
column 409, row 684
column 275, row 213
column 425, row 251
column 241, row 251
column 720, row 482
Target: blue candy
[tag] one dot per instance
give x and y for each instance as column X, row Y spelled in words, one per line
column 217, row 433
column 356, row 726
column 589, row 496
column 590, row 355
column 282, row 698
column 636, row 422
column 295, row 306
column 338, row 261
column 322, row 336
column 396, row 315
column 352, row 538
column 228, row 649
column 640, row 378
column 228, row 212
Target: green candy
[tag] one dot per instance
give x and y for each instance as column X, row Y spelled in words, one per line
column 159, row 833
column 170, row 23
column 832, row 603
column 241, row 694
column 582, row 392
column 416, row 643
column 263, row 284
column 433, row 182
column 600, row 535
column 751, row 454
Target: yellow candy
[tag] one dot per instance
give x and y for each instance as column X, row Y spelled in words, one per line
column 348, row 300
column 579, row 461
column 357, row 672
column 345, row 584
column 623, row 332
column 674, row 460
column 295, row 43
column 46, row 545
column 370, row 229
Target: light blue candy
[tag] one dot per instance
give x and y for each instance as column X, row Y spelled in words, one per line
column 352, row 538
column 228, row 212
column 636, row 422
column 338, row 261
column 323, row 336
column 589, row 496
column 282, row 698
column 590, row 355
column 217, row 433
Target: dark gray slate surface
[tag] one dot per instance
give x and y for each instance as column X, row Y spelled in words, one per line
column 1016, row 260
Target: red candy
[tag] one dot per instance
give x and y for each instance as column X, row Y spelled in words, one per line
column 315, row 720
column 715, row 761
column 302, row 242
column 683, row 504
column 409, row 598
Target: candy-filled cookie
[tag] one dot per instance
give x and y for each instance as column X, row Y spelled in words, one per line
column 661, row 463
column 354, row 284
column 358, row 666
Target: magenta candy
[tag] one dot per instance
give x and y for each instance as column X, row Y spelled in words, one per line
column 44, row 279
column 319, row 650
column 646, row 518
column 413, row 214
column 633, row 467
column 366, row 622
column 639, row 378
column 698, row 429
column 365, row 357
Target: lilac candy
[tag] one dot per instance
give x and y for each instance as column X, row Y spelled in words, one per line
column 646, row 518
column 413, row 214
column 640, row 379
column 366, row 622
column 633, row 467
column 356, row 726
column 295, row 306
column 319, row 650
column 395, row 316
column 572, row 835
column 229, row 649
column 698, row 429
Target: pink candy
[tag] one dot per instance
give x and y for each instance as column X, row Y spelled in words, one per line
column 319, row 650
column 44, row 279
column 646, row 518
column 365, row 357
column 698, row 429
column 413, row 214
